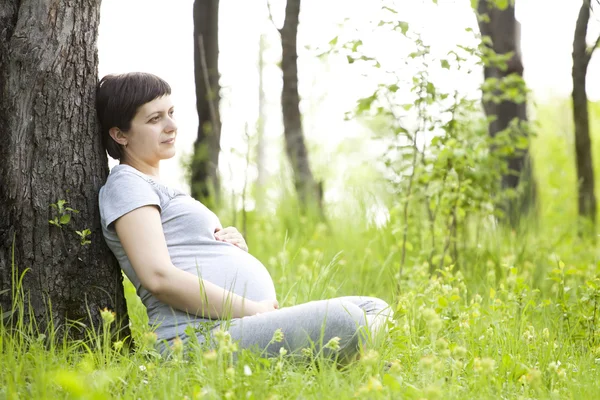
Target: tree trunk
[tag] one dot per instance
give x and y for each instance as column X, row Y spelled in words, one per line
column 51, row 150
column 583, row 146
column 309, row 192
column 205, row 184
column 261, row 180
column 504, row 32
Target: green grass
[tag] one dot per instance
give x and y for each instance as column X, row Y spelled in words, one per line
column 518, row 319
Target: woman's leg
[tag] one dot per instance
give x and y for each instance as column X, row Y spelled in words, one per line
column 377, row 312
column 315, row 322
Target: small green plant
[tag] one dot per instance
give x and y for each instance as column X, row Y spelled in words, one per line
column 62, row 218
column 63, row 214
column 83, row 235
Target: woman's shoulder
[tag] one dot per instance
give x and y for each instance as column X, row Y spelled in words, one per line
column 125, row 176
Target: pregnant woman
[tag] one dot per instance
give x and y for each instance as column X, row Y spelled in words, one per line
column 186, row 268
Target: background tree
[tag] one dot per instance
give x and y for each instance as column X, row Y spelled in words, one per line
column 497, row 22
column 309, row 191
column 51, row 151
column 583, row 148
column 261, row 180
column 205, row 184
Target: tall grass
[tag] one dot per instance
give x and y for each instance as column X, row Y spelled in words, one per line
column 518, row 319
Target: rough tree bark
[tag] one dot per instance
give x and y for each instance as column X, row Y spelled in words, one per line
column 51, row 150
column 504, row 32
column 583, row 147
column 309, row 191
column 205, row 184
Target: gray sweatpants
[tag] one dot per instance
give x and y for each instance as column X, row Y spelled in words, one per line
column 310, row 324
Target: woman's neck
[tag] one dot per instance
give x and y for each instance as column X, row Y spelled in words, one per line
column 144, row 168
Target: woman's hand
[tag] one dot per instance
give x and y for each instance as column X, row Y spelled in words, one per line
column 264, row 306
column 231, row 235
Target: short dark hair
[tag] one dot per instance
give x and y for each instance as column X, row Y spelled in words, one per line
column 118, row 98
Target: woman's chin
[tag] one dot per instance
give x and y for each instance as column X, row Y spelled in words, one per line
column 169, row 154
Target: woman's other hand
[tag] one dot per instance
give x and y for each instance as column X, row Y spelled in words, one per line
column 231, row 235
column 264, row 306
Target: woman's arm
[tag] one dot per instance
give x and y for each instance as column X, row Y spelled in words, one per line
column 141, row 235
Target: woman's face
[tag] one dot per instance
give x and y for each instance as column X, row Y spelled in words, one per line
column 153, row 131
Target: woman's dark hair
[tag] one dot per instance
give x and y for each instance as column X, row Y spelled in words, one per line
column 118, row 97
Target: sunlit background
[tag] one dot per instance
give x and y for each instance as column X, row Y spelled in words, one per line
column 157, row 36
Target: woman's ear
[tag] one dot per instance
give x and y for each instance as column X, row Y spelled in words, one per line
column 118, row 136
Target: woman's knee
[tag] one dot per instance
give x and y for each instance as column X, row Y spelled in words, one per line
column 348, row 322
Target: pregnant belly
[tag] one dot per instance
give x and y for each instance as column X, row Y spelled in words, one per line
column 231, row 268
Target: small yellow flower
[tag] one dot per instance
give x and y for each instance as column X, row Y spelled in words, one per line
column 441, row 344
column 278, row 336
column 546, row 333
column 108, row 317
column 306, row 352
column 370, row 357
column 429, row 315
column 485, row 365
column 460, row 352
column 148, row 339
column 427, row 362
column 533, row 377
column 282, row 351
column 372, row 385
column 118, row 345
column 333, row 344
column 177, row 346
column 210, row 355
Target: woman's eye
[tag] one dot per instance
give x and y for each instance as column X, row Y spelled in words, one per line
column 155, row 119
column 171, row 113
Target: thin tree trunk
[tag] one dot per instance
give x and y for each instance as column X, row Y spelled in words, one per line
column 504, row 31
column 51, row 150
column 262, row 117
column 205, row 184
column 309, row 191
column 583, row 147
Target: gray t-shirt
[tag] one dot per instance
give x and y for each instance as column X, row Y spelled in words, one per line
column 189, row 229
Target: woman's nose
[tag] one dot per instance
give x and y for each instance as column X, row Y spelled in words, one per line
column 171, row 125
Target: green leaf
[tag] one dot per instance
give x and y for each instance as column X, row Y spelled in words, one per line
column 65, row 219
column 403, row 27
column 443, row 302
column 333, row 41
column 502, row 4
column 445, row 64
column 350, row 59
column 392, row 383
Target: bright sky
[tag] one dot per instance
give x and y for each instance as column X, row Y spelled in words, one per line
column 156, row 36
